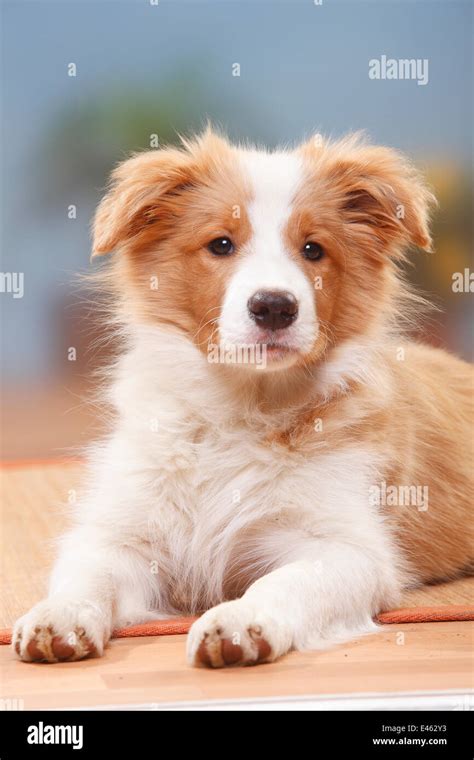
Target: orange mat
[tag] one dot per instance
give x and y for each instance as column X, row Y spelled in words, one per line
column 447, row 613
column 443, row 614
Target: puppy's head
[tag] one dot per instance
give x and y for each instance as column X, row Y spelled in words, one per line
column 291, row 251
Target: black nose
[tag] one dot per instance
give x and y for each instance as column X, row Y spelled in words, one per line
column 273, row 309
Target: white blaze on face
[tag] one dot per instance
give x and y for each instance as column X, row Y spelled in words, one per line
column 266, row 264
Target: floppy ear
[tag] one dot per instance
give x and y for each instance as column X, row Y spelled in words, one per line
column 385, row 193
column 137, row 192
column 382, row 199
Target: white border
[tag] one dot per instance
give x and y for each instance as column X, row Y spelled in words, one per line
column 419, row 700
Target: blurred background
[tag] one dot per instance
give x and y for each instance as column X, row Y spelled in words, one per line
column 85, row 82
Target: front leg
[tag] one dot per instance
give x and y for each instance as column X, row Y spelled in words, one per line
column 307, row 604
column 102, row 578
column 96, row 585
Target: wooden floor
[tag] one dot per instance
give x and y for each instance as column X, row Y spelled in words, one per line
column 406, row 658
column 430, row 657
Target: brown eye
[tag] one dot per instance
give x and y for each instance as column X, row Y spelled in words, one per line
column 221, row 246
column 313, row 251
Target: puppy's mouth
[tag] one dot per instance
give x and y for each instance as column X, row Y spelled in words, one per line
column 260, row 348
column 277, row 348
column 276, row 352
column 274, row 347
column 275, row 340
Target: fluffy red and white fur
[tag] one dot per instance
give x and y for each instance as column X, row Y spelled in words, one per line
column 242, row 491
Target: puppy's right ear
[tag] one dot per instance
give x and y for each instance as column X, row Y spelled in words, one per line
column 137, row 192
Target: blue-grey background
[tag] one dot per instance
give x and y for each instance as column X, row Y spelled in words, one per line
column 147, row 69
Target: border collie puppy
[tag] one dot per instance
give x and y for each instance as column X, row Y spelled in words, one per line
column 283, row 461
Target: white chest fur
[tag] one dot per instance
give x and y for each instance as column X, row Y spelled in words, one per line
column 215, row 504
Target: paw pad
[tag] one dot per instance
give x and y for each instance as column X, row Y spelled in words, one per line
column 217, row 650
column 45, row 645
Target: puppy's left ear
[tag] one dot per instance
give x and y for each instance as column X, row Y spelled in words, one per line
column 383, row 202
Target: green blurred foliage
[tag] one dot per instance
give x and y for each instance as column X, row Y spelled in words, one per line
column 87, row 140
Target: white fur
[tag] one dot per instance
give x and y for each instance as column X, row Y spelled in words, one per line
column 186, row 495
column 273, row 179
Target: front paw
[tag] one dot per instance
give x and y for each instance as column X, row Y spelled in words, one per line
column 234, row 633
column 57, row 630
